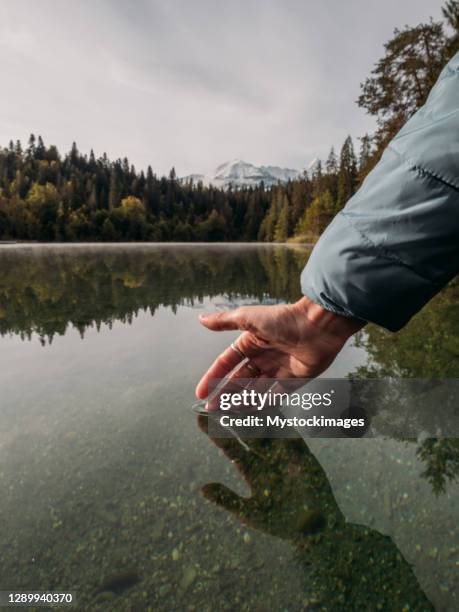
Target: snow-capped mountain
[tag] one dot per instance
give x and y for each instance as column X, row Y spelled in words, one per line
column 238, row 173
column 313, row 165
column 196, row 178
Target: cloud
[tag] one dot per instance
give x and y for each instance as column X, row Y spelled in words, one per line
column 193, row 84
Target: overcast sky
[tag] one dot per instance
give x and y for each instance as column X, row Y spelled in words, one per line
column 193, row 83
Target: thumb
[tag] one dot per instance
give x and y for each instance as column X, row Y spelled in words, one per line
column 221, row 321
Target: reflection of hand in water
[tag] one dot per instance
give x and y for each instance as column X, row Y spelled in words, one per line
column 283, row 341
column 346, row 567
column 291, row 497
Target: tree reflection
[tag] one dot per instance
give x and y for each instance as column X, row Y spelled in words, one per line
column 427, row 348
column 46, row 290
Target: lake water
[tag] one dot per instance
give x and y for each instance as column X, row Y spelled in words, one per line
column 109, row 481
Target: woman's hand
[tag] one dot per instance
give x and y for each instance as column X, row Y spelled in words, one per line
column 284, row 341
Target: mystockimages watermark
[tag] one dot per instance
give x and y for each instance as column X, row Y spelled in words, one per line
column 331, row 408
column 283, row 422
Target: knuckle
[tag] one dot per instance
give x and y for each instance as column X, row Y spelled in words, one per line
column 224, row 359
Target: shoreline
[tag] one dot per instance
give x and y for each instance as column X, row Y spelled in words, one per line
column 11, row 243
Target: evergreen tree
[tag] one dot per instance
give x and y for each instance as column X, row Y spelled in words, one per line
column 31, row 146
column 114, row 193
column 109, row 234
column 331, row 178
column 402, row 79
column 365, row 153
column 347, row 174
column 268, row 225
column 301, row 194
column 451, row 14
column 281, row 230
column 40, row 149
column 331, row 165
column 74, row 155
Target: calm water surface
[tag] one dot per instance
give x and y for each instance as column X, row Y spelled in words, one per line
column 111, row 488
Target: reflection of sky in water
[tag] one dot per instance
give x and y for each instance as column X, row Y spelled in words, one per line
column 102, row 462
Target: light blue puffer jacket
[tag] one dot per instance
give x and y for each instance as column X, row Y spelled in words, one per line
column 396, row 242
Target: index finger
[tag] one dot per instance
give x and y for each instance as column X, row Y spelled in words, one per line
column 221, row 367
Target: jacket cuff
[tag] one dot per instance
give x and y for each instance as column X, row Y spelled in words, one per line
column 350, row 276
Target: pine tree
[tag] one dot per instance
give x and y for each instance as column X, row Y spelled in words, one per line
column 301, row 195
column 109, row 234
column 347, row 174
column 281, row 230
column 92, row 200
column 31, row 146
column 365, row 152
column 451, row 14
column 330, row 180
column 268, row 225
column 253, row 217
column 74, row 154
column 40, row 149
column 367, row 157
column 331, row 165
column 114, row 193
column 402, row 79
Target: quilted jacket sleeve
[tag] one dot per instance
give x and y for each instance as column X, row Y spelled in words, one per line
column 396, row 242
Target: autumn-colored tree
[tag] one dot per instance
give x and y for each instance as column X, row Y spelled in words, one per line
column 317, row 216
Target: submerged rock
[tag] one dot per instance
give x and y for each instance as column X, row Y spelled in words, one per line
column 104, row 597
column 189, row 576
column 119, row 582
column 164, row 590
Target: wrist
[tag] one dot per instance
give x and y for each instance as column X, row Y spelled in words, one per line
column 330, row 323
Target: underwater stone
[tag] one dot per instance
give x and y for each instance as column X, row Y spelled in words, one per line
column 119, row 582
column 189, row 576
column 164, row 590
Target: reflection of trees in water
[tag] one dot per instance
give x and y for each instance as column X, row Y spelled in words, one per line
column 346, row 566
column 45, row 291
column 427, row 348
column 441, row 458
